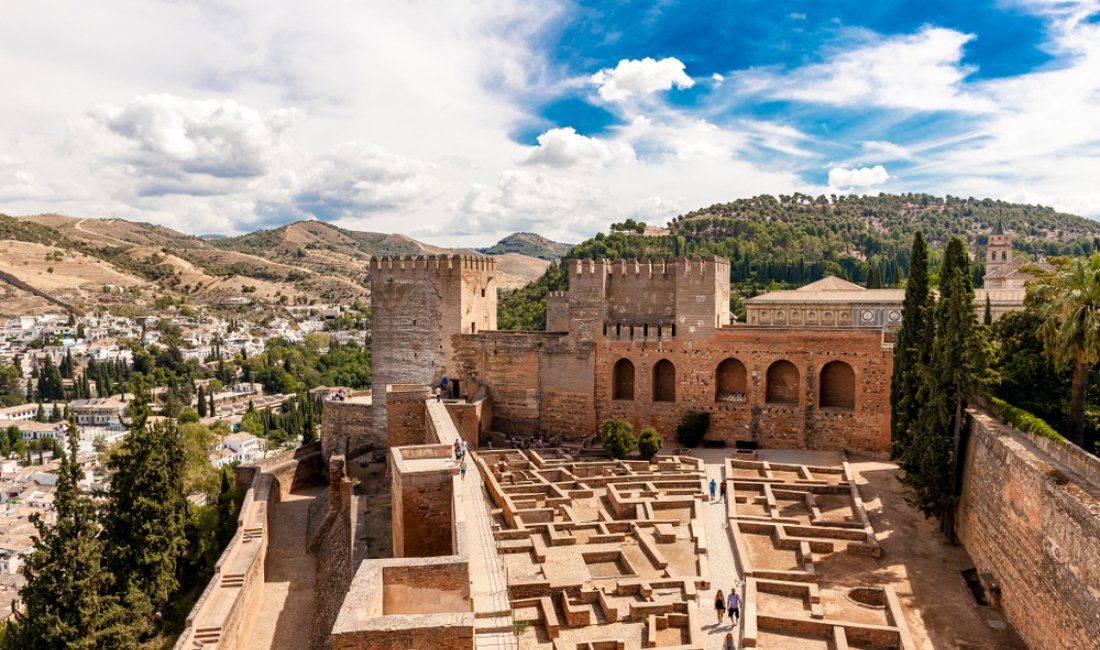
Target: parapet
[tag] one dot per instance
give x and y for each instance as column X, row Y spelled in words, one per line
column 424, row 263
column 676, row 266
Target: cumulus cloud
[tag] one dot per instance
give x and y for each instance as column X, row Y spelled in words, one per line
column 921, row 71
column 565, row 147
column 166, row 135
column 363, row 177
column 861, row 177
column 633, row 77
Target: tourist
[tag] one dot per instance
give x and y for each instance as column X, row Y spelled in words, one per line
column 463, row 448
column 722, row 490
column 713, row 487
column 728, row 644
column 734, row 605
column 438, row 394
column 719, row 604
column 462, row 469
column 458, row 451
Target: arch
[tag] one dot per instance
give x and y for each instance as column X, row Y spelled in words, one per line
column 782, row 383
column 837, row 388
column 731, row 382
column 664, row 381
column 622, row 380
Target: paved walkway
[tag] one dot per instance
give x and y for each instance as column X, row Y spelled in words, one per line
column 488, row 580
column 723, row 570
column 285, row 619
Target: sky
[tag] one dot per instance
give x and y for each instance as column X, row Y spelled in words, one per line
column 458, row 122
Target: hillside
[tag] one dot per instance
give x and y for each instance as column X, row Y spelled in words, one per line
column 530, row 244
column 794, row 240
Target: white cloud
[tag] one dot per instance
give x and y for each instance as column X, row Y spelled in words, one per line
column 922, row 71
column 884, row 150
column 566, row 148
column 632, row 77
column 862, row 177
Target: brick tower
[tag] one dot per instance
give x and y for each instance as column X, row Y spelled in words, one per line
column 998, row 251
column 417, row 305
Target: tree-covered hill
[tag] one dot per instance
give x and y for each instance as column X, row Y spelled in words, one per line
column 793, row 240
column 528, row 243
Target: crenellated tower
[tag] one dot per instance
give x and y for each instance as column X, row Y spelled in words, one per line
column 418, row 304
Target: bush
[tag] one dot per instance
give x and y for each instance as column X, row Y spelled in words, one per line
column 1024, row 420
column 649, row 443
column 693, row 426
column 187, row 415
column 618, row 438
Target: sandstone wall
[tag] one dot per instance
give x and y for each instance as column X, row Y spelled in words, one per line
column 1029, row 515
column 347, row 428
column 423, row 500
column 405, row 423
column 331, row 538
column 804, row 424
column 471, row 419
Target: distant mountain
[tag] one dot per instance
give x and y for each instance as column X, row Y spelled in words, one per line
column 528, row 243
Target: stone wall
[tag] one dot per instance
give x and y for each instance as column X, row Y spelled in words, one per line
column 421, row 487
column 405, row 416
column 471, row 419
column 1029, row 516
column 347, row 428
column 297, row 469
column 331, row 538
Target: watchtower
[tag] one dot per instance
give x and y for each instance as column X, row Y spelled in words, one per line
column 418, row 304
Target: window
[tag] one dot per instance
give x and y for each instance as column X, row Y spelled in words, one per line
column 622, row 380
column 664, row 381
column 782, row 383
column 837, row 386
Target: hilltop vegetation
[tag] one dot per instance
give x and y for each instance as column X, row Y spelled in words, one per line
column 785, row 241
column 528, row 243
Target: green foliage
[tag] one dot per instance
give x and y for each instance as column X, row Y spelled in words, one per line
column 525, row 308
column 1025, row 421
column 692, row 427
column 11, row 386
column 1069, row 305
column 68, row 600
column 618, row 438
column 286, row 367
column 649, row 443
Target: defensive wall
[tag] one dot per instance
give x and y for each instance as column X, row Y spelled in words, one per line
column 224, row 613
column 347, row 426
column 1029, row 516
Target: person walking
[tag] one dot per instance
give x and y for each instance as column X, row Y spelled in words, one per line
column 462, row 469
column 464, row 447
column 722, row 490
column 734, row 606
column 458, row 451
column 719, row 605
column 713, row 486
column 729, row 644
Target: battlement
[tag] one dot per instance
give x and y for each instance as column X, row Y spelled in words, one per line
column 680, row 266
column 422, row 263
column 648, row 331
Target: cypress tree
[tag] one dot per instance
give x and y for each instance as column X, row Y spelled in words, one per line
column 213, row 408
column 913, row 347
column 987, row 318
column 147, row 510
column 40, row 414
column 949, row 381
column 202, row 403
column 67, row 601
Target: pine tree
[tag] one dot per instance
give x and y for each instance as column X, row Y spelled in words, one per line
column 147, row 509
column 913, row 347
column 67, row 601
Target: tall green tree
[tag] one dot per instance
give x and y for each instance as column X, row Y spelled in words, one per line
column 146, row 509
column 949, row 381
column 1069, row 304
column 912, row 349
column 67, row 601
column 987, row 317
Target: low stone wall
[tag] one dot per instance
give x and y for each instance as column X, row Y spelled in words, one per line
column 301, row 468
column 331, row 539
column 1029, row 515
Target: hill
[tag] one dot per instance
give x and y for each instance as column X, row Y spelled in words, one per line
column 530, row 244
column 794, row 240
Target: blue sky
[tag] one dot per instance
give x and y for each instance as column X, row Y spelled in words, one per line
column 462, row 121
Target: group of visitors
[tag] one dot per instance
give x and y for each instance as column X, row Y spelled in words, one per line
column 460, row 456
column 732, row 606
column 537, row 442
column 721, row 488
column 338, row 396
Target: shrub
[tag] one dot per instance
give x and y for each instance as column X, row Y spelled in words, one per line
column 1024, row 420
column 618, row 438
column 693, row 426
column 649, row 443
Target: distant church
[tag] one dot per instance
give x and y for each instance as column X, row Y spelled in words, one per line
column 833, row 302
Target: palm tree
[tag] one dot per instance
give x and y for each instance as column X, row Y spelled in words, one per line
column 1069, row 303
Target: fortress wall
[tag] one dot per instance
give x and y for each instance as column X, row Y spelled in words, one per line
column 347, row 428
column 471, row 419
column 802, row 424
column 332, row 540
column 1031, row 525
column 295, row 470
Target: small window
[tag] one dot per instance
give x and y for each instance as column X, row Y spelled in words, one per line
column 483, row 293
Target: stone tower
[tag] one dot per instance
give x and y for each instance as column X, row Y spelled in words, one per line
column 998, row 251
column 417, row 305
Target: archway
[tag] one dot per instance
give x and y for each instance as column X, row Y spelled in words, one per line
column 622, row 380
column 731, row 382
column 837, row 388
column 782, row 383
column 664, row 381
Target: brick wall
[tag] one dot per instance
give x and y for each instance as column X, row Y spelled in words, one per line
column 347, row 428
column 423, row 495
column 405, row 417
column 332, row 541
column 1031, row 527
